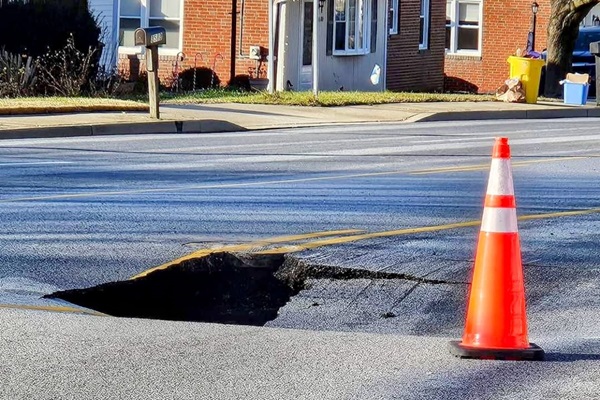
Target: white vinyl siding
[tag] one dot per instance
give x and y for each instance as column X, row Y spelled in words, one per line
column 104, row 11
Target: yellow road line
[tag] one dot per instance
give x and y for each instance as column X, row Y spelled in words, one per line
column 483, row 167
column 247, row 247
column 354, row 238
column 408, row 231
column 345, row 239
column 62, row 309
column 559, row 214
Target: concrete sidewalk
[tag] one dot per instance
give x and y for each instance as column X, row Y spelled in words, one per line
column 208, row 118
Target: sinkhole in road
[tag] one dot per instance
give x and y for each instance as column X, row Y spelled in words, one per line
column 246, row 289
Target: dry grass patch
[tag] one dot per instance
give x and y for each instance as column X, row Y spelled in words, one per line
column 43, row 105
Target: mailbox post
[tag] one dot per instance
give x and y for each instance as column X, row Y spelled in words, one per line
column 595, row 50
column 151, row 38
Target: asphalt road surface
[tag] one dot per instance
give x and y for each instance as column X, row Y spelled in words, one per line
column 78, row 212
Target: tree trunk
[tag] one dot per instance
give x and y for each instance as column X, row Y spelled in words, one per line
column 563, row 28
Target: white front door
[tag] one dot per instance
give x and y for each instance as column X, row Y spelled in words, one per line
column 306, row 35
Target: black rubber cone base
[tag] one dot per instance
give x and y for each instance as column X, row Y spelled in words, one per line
column 533, row 353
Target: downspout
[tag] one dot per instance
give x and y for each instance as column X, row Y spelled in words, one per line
column 241, row 50
column 233, row 38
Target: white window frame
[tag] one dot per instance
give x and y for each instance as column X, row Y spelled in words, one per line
column 366, row 28
column 145, row 21
column 394, row 13
column 424, row 14
column 454, row 28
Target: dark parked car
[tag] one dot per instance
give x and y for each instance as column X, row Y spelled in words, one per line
column 583, row 61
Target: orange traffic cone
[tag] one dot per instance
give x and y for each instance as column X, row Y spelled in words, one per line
column 496, row 325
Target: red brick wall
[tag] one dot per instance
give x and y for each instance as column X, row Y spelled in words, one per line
column 208, row 32
column 132, row 65
column 506, row 24
column 207, row 38
column 408, row 67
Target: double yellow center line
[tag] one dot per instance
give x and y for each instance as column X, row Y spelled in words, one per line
column 341, row 237
column 247, row 247
column 484, row 167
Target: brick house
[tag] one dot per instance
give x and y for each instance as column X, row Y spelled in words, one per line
column 415, row 55
column 404, row 38
column 482, row 34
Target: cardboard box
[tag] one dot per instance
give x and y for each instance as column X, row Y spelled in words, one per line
column 578, row 78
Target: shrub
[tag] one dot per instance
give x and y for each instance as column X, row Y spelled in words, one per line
column 206, row 78
column 33, row 26
column 240, row 82
column 67, row 72
column 61, row 39
column 17, row 75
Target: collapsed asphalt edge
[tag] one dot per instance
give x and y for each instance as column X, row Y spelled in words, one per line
column 246, row 289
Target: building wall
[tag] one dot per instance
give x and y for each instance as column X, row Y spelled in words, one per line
column 104, row 11
column 592, row 15
column 207, row 43
column 336, row 72
column 207, row 40
column 506, row 24
column 207, row 34
column 409, row 68
column 353, row 72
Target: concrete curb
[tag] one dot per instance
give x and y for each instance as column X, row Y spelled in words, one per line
column 216, row 126
column 135, row 128
column 507, row 114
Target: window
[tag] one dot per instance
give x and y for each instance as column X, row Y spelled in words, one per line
column 351, row 27
column 463, row 26
column 135, row 14
column 424, row 25
column 393, row 16
column 130, row 18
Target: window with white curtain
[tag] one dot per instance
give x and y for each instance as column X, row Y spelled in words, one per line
column 351, row 30
column 463, row 27
column 135, row 14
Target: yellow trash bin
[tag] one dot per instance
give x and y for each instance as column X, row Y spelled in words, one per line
column 529, row 72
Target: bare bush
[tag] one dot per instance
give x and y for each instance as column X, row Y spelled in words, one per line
column 17, row 75
column 68, row 71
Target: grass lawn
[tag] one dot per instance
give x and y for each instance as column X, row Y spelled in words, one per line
column 41, row 105
column 324, row 99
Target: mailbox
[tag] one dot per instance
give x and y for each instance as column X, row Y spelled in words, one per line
column 151, row 36
column 595, row 50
